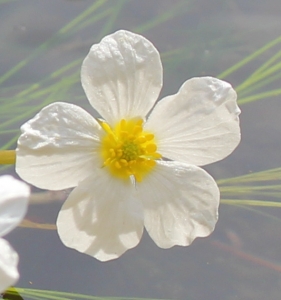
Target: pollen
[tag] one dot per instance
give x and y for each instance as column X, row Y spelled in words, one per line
column 127, row 150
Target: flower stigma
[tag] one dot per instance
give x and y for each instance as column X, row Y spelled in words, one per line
column 128, row 150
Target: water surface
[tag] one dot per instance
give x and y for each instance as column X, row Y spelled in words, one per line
column 195, row 38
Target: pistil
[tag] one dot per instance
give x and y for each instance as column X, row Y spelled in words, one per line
column 128, row 150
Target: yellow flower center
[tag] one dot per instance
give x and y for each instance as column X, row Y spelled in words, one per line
column 128, row 150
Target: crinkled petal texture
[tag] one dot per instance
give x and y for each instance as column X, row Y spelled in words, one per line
column 101, row 217
column 122, row 76
column 180, row 203
column 8, row 265
column 14, row 195
column 58, row 147
column 199, row 125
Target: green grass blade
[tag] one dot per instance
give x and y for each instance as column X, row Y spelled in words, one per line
column 36, row 294
column 249, row 58
column 177, row 9
column 249, row 202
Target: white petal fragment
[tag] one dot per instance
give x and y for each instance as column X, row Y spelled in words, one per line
column 199, row 125
column 14, row 195
column 58, row 147
column 122, row 76
column 8, row 265
column 101, row 217
column 180, row 203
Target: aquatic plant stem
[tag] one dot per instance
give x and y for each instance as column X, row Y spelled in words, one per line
column 7, row 157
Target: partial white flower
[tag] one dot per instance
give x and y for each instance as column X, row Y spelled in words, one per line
column 14, row 196
column 131, row 169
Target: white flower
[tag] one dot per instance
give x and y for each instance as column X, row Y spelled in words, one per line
column 14, row 196
column 130, row 172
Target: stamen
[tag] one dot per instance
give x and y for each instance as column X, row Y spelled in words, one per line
column 138, row 177
column 117, row 165
column 112, row 152
column 141, row 139
column 139, row 122
column 149, row 136
column 119, row 152
column 124, row 134
column 151, row 163
column 127, row 150
column 124, row 162
column 132, row 162
column 107, row 162
column 156, row 155
column 137, row 130
column 150, row 148
column 105, row 127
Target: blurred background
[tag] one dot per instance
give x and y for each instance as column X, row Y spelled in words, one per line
column 42, row 45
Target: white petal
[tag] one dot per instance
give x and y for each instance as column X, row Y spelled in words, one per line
column 199, row 125
column 101, row 217
column 14, row 195
column 122, row 76
column 180, row 203
column 58, row 147
column 8, row 265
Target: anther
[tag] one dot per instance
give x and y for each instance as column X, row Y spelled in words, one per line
column 117, row 165
column 107, row 162
column 150, row 148
column 151, row 163
column 112, row 136
column 139, row 122
column 156, row 155
column 141, row 139
column 149, row 137
column 112, row 152
column 124, row 134
column 132, row 162
column 119, row 152
column 127, row 150
column 123, row 124
column 138, row 177
column 124, row 162
column 105, row 127
column 137, row 130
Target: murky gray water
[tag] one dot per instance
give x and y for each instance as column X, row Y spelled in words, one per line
column 196, row 38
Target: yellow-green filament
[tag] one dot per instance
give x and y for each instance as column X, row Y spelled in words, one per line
column 128, row 150
column 7, row 157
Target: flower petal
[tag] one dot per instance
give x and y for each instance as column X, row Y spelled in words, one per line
column 199, row 125
column 8, row 265
column 14, row 195
column 58, row 147
column 122, row 76
column 180, row 203
column 101, row 218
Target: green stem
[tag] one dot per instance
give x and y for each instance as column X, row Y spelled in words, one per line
column 7, row 157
